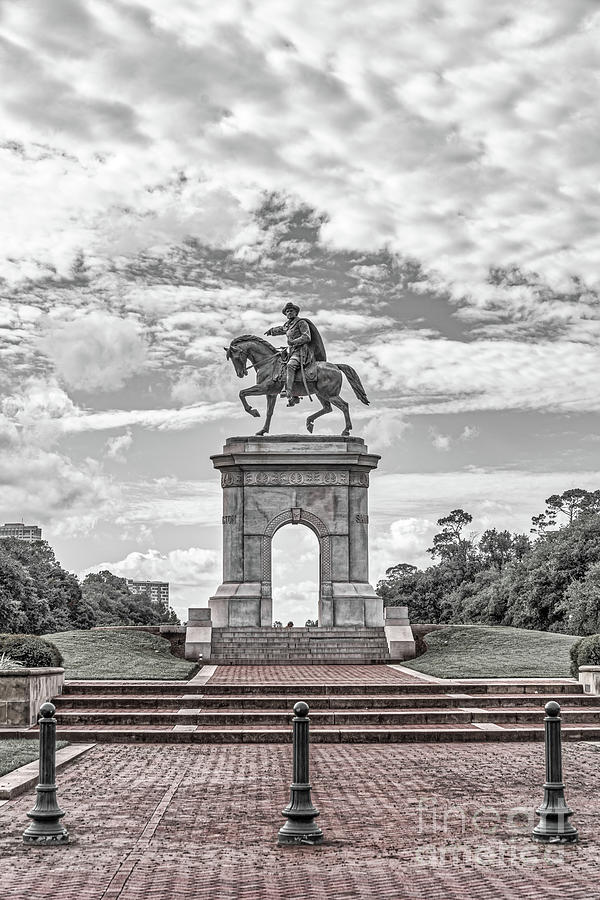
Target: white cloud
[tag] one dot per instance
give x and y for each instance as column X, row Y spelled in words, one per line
column 404, row 540
column 444, row 442
column 95, row 351
column 459, row 135
column 160, row 419
column 469, row 433
column 117, row 446
column 296, row 602
column 501, row 498
column 169, row 501
column 36, row 480
column 451, row 376
column 441, row 442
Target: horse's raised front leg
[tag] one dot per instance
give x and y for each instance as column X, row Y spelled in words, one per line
column 256, row 390
column 341, row 404
column 322, row 412
column 271, row 400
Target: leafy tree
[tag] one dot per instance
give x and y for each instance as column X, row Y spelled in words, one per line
column 552, row 584
column 109, row 599
column 21, row 582
column 581, row 607
column 451, row 546
column 424, row 592
column 17, row 593
column 570, row 504
column 58, row 594
column 496, row 548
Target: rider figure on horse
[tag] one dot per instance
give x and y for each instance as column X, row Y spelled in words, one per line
column 305, row 349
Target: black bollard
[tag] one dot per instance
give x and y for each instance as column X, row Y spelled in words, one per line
column 46, row 827
column 554, row 813
column 300, row 827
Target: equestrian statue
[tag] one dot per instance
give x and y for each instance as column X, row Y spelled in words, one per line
column 300, row 370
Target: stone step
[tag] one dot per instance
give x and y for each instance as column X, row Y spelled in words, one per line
column 142, row 702
column 325, row 734
column 304, row 689
column 309, row 630
column 251, row 718
column 287, row 660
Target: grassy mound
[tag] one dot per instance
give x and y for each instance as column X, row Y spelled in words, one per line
column 20, row 751
column 119, row 654
column 484, row 651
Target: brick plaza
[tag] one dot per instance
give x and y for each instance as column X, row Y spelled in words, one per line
column 440, row 822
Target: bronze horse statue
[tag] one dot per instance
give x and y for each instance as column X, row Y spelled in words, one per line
column 270, row 380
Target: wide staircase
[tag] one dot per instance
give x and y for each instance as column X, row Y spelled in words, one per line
column 235, row 712
column 316, row 645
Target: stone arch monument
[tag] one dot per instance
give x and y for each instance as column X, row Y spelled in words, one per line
column 319, row 482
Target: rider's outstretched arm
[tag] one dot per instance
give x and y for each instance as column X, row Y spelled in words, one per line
column 277, row 329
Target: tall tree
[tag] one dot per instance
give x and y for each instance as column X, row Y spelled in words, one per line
column 451, row 546
column 569, row 504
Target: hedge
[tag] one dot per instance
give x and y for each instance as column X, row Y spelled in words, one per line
column 30, row 650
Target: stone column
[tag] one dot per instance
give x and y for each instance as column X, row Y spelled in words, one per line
column 233, row 525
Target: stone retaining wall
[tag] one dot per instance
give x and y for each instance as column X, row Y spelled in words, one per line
column 22, row 692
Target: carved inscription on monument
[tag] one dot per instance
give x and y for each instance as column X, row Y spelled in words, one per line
column 232, row 479
column 285, row 479
column 275, row 479
column 361, row 518
column 229, row 520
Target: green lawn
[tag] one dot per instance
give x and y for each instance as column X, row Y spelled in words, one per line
column 482, row 651
column 19, row 751
column 119, row 654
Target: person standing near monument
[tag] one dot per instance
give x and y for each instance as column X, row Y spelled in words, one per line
column 305, row 349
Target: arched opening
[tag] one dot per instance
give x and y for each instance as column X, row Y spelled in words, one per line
column 295, row 575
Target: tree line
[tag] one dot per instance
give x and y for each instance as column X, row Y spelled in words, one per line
column 548, row 580
column 38, row 596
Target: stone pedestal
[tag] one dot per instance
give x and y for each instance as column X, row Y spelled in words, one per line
column 198, row 634
column 321, row 483
column 589, row 677
column 398, row 633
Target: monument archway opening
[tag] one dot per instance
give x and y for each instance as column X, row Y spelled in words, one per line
column 295, row 575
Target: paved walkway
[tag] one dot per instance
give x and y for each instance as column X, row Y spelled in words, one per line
column 311, row 675
column 400, row 821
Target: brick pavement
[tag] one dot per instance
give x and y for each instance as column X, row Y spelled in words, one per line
column 317, row 674
column 157, row 822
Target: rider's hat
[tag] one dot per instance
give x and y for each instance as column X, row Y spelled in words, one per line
column 291, row 306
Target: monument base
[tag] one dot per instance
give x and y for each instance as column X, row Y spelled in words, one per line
column 239, row 604
column 317, row 482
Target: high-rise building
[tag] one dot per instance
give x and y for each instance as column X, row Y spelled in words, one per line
column 20, row 531
column 158, row 591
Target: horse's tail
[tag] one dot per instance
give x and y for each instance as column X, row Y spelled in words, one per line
column 354, row 382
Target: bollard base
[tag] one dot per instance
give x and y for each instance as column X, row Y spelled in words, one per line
column 61, row 837
column 294, row 835
column 300, row 813
column 546, row 833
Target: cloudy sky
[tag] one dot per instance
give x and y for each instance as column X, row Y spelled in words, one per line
column 422, row 178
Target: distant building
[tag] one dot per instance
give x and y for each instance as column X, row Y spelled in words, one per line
column 20, row 531
column 158, row 591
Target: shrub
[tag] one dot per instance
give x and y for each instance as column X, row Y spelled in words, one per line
column 585, row 652
column 30, row 650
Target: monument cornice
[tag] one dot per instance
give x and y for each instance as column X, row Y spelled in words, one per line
column 295, row 451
